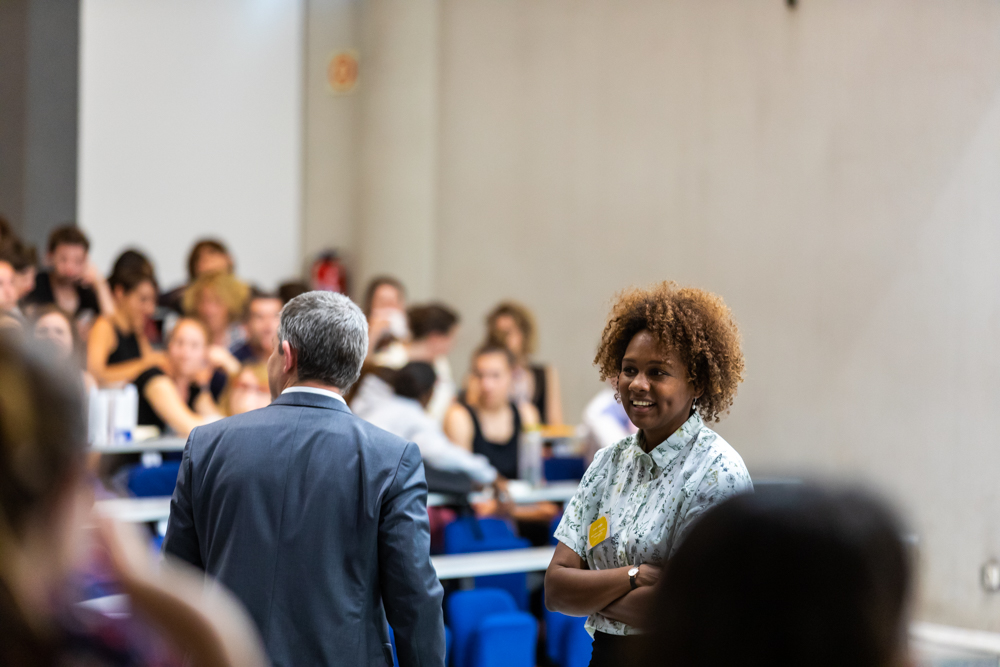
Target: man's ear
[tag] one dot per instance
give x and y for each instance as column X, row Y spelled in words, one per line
column 289, row 357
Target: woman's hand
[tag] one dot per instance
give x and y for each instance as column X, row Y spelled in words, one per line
column 220, row 357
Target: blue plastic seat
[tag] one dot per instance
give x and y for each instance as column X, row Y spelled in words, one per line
column 469, row 535
column 487, row 629
column 579, row 644
column 505, row 640
column 567, row 641
column 563, row 468
column 156, row 481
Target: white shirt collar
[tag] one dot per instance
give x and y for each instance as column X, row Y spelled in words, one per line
column 317, row 390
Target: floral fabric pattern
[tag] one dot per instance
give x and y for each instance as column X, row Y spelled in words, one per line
column 648, row 501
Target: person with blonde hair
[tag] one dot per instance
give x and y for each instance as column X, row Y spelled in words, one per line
column 218, row 300
column 175, row 395
column 511, row 324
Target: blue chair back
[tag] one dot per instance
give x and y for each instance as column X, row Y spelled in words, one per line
column 469, row 535
column 156, row 481
column 505, row 640
column 579, row 644
column 556, row 630
column 465, row 611
column 563, row 468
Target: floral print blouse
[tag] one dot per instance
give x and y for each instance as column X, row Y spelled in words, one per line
column 633, row 507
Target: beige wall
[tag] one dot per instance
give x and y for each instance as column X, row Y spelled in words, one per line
column 833, row 172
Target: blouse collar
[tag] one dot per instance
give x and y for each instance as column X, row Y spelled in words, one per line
column 667, row 451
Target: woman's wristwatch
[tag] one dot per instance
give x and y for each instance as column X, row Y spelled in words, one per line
column 632, row 574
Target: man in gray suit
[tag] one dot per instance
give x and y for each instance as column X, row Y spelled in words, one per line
column 315, row 519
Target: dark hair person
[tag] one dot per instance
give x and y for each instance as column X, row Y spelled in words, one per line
column 385, row 308
column 794, row 576
column 512, row 324
column 71, row 281
column 674, row 354
column 45, row 507
column 118, row 349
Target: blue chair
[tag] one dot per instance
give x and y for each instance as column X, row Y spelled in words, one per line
column 562, row 468
column 552, row 529
column 556, row 630
column 579, row 645
column 505, row 640
column 489, row 630
column 156, row 481
column 469, row 535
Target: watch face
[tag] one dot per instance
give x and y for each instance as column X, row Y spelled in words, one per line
column 634, row 571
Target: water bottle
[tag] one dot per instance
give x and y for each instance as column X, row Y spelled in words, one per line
column 529, row 456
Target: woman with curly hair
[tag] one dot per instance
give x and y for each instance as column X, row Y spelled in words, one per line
column 674, row 356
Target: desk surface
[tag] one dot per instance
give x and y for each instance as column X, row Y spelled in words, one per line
column 459, row 566
column 140, row 446
column 144, row 510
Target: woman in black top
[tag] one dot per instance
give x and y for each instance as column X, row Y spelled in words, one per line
column 117, row 349
column 513, row 326
column 176, row 395
column 491, row 425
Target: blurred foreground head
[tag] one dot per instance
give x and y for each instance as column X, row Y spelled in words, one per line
column 792, row 576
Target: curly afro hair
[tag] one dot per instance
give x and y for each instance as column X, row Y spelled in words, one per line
column 696, row 324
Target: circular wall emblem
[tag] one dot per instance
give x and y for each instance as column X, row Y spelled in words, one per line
column 342, row 72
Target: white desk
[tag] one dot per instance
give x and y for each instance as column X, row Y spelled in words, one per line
column 521, row 493
column 459, row 566
column 143, row 510
column 140, row 446
column 136, row 510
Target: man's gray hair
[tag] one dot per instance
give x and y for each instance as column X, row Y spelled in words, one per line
column 330, row 334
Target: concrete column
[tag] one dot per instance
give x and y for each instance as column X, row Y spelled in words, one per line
column 399, row 136
column 39, row 54
column 331, row 150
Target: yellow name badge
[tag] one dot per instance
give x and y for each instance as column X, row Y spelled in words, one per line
column 598, row 531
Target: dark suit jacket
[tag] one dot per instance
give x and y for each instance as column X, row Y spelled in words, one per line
column 317, row 521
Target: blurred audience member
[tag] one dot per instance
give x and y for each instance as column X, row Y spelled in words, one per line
column 132, row 260
column 263, row 314
column 218, row 300
column 433, row 328
column 170, row 394
column 8, row 287
column 71, row 281
column 385, row 308
column 206, row 256
column 118, row 349
column 246, row 391
column 54, row 326
column 605, row 420
column 45, row 511
column 793, row 576
column 492, row 426
column 290, row 290
column 404, row 414
column 513, row 325
column 24, row 259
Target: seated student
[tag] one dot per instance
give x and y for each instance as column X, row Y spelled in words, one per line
column 118, row 349
column 206, row 256
column 787, row 577
column 247, row 390
column 263, row 314
column 492, row 426
column 513, row 325
column 433, row 328
column 8, row 289
column 45, row 530
column 54, row 326
column 24, row 260
column 385, row 308
column 170, row 394
column 218, row 300
column 404, row 414
column 71, row 281
column 290, row 290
